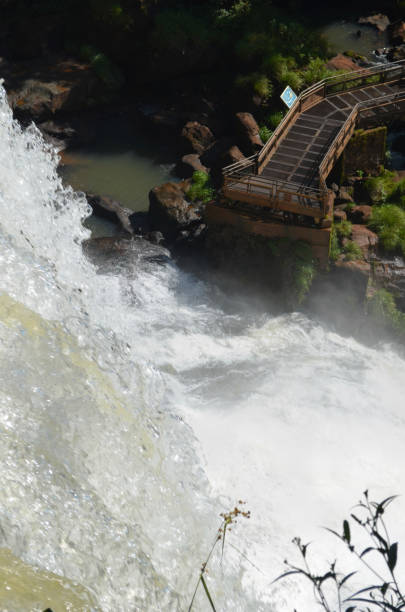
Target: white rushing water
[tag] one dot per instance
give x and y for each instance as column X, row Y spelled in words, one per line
column 138, row 402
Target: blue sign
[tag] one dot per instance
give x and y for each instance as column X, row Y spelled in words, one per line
column 288, row 96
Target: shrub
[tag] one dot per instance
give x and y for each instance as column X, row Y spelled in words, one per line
column 274, row 119
column 388, row 222
column 382, row 307
column 352, row 251
column 255, row 83
column 200, row 188
column 385, row 591
column 106, row 71
column 380, row 187
column 180, row 30
column 262, row 85
column 343, row 229
column 334, row 248
column 265, row 133
column 316, row 71
column 235, row 13
column 303, row 269
column 397, row 195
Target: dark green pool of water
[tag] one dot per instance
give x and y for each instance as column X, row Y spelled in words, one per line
column 121, row 162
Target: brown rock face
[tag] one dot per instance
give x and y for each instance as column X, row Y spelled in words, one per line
column 110, row 209
column 189, row 164
column 343, row 196
column 398, row 33
column 381, row 22
column 359, row 268
column 231, row 156
column 169, row 211
column 342, row 62
column 248, row 132
column 339, row 215
column 63, row 87
column 365, row 238
column 197, row 137
column 360, row 214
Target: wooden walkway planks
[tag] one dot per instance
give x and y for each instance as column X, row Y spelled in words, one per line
column 298, row 157
column 291, row 169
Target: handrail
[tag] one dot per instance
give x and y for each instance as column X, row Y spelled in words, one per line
column 242, row 163
column 293, row 189
column 321, row 86
column 351, row 119
column 241, row 171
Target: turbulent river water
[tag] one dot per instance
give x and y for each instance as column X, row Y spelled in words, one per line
column 138, row 401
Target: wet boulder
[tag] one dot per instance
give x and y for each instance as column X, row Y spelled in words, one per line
column 360, row 214
column 342, row 62
column 189, row 164
column 40, row 90
column 196, row 137
column 169, row 210
column 112, row 210
column 365, row 239
column 231, row 155
column 339, row 215
column 380, row 21
column 247, row 131
column 343, row 196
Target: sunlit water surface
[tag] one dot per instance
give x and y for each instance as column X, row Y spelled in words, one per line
column 137, row 402
column 350, row 36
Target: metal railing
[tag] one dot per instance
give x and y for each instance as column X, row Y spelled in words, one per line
column 244, row 175
column 274, row 193
column 383, row 73
column 343, row 136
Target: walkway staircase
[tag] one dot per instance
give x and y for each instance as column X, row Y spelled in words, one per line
column 289, row 173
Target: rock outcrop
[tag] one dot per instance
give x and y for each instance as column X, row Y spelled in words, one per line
column 247, row 131
column 196, row 138
column 40, row 90
column 397, row 33
column 170, row 212
column 380, row 21
column 360, row 214
column 342, row 62
column 189, row 164
column 112, row 210
column 365, row 239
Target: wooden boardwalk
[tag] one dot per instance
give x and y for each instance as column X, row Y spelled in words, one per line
column 289, row 173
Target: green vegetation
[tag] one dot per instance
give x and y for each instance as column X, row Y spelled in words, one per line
column 382, row 308
column 104, row 68
column 352, row 251
column 257, row 46
column 376, row 555
column 201, row 188
column 343, row 229
column 334, row 247
column 228, row 519
column 384, row 189
column 275, row 118
column 339, row 243
column 388, row 222
column 299, row 267
column 303, row 269
column 265, row 133
column 381, row 187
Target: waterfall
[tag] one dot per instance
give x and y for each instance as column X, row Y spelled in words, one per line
column 138, row 402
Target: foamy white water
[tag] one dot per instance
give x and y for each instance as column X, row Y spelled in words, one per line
column 137, row 403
